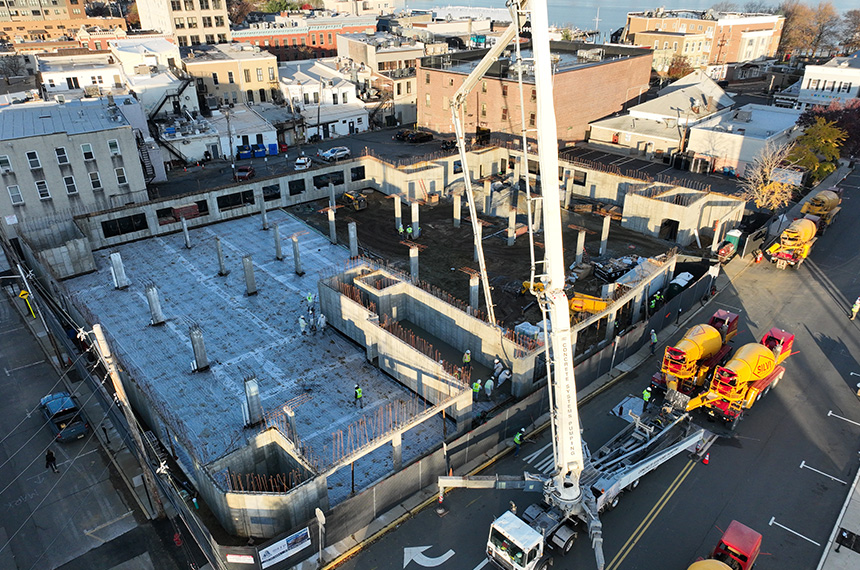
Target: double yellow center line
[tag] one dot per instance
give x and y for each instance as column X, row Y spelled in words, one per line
column 650, row 517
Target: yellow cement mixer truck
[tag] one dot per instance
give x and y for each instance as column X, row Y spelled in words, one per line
column 825, row 205
column 794, row 243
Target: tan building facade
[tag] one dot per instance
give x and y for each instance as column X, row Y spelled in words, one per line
column 190, row 22
column 583, row 91
column 233, row 73
column 60, row 29
column 728, row 37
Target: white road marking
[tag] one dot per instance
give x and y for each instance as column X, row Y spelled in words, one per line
column 830, row 413
column 773, row 522
column 739, row 310
column 482, row 564
column 8, row 370
column 531, row 457
column 416, row 554
column 803, row 465
column 101, row 526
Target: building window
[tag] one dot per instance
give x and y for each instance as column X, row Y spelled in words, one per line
column 61, row 155
column 97, row 79
column 204, row 4
column 427, row 99
column 534, row 95
column 484, row 110
column 248, row 75
column 334, row 98
column 69, row 181
column 313, row 40
column 215, row 78
column 504, row 90
column 316, row 97
column 532, row 120
column 408, row 87
column 195, row 40
column 216, row 4
column 329, row 38
column 120, row 176
column 126, row 225
column 42, row 189
column 230, row 77
column 183, row 41
column 33, row 159
column 15, row 194
column 113, row 147
column 845, row 88
column 427, row 78
column 210, row 38
column 176, row 5
column 192, row 23
column 87, row 151
column 5, row 164
column 207, row 21
column 95, row 181
column 222, row 38
column 179, row 23
column 483, row 86
column 219, row 21
column 343, row 98
column 504, row 113
column 271, row 74
column 189, row 5
column 307, row 99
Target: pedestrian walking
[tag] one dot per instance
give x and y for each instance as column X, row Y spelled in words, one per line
column 51, row 461
column 476, row 390
column 321, row 323
column 488, row 388
column 358, row 397
column 303, row 324
column 646, row 398
column 653, row 341
column 467, row 359
column 518, row 440
column 854, row 308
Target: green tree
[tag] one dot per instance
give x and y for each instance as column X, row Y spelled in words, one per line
column 818, row 148
column 566, row 35
column 132, row 17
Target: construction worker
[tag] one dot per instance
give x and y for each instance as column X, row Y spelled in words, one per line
column 505, row 375
column 854, row 308
column 646, row 397
column 476, row 390
column 358, row 401
column 467, row 359
column 321, row 322
column 653, row 341
column 408, row 232
column 488, row 388
column 310, row 299
column 400, row 230
column 518, row 440
column 303, row 324
column 497, row 368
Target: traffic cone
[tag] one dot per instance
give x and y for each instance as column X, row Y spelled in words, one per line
column 707, row 458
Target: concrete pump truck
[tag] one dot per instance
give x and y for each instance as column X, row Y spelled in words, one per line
column 581, row 484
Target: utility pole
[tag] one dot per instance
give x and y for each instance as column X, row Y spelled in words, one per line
column 110, row 364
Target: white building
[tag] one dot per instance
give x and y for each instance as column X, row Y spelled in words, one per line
column 190, row 22
column 732, row 140
column 79, row 75
column 74, row 157
column 836, row 80
column 326, row 100
column 363, row 7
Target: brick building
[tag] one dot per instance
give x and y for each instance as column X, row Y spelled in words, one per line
column 590, row 82
column 299, row 37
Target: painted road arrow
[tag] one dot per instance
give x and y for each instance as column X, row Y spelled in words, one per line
column 416, row 554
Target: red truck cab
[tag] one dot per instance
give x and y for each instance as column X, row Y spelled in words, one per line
column 739, row 547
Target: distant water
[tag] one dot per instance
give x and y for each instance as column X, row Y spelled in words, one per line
column 613, row 13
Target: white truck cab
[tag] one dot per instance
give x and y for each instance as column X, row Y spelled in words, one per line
column 514, row 545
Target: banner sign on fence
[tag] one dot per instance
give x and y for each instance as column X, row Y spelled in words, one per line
column 285, row 548
column 240, row 559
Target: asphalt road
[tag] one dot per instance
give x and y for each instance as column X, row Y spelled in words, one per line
column 783, row 473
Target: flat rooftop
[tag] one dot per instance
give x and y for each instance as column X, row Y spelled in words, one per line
column 47, row 118
column 757, row 121
column 222, row 52
column 243, row 334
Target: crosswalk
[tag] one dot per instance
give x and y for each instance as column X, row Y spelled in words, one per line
column 542, row 459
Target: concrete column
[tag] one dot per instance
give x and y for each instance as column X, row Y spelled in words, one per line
column 461, row 412
column 488, row 197
column 185, row 233
column 222, row 269
column 416, row 227
column 604, row 235
column 201, row 361
column 397, row 451
column 331, row 198
column 279, row 254
column 332, row 231
column 473, row 291
column 120, row 280
column 413, row 262
column 610, row 325
column 264, row 216
column 580, row 246
column 353, row 240
column 567, row 181
column 297, row 257
column 518, row 168
column 718, row 227
column 537, row 206
column 250, row 282
column 398, row 216
column 157, row 316
column 457, row 208
column 512, row 225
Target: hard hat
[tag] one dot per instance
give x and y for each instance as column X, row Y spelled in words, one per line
column 468, row 352
column 522, row 430
column 496, row 361
column 652, row 330
column 356, row 385
column 648, row 388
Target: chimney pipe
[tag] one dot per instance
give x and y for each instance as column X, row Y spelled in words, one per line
column 201, row 363
column 157, row 317
column 120, row 281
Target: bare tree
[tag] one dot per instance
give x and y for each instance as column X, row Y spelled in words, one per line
column 822, row 30
column 761, row 184
column 793, row 37
column 759, row 7
column 11, row 66
column 851, row 30
column 724, row 7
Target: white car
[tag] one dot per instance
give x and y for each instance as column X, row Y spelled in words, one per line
column 303, row 163
column 334, row 153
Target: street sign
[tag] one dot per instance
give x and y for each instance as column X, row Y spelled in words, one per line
column 320, row 516
column 24, row 294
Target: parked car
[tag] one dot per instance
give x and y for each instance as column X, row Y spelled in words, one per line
column 449, row 145
column 303, row 162
column 402, row 134
column 334, row 153
column 64, row 416
column 419, row 137
column 244, row 173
